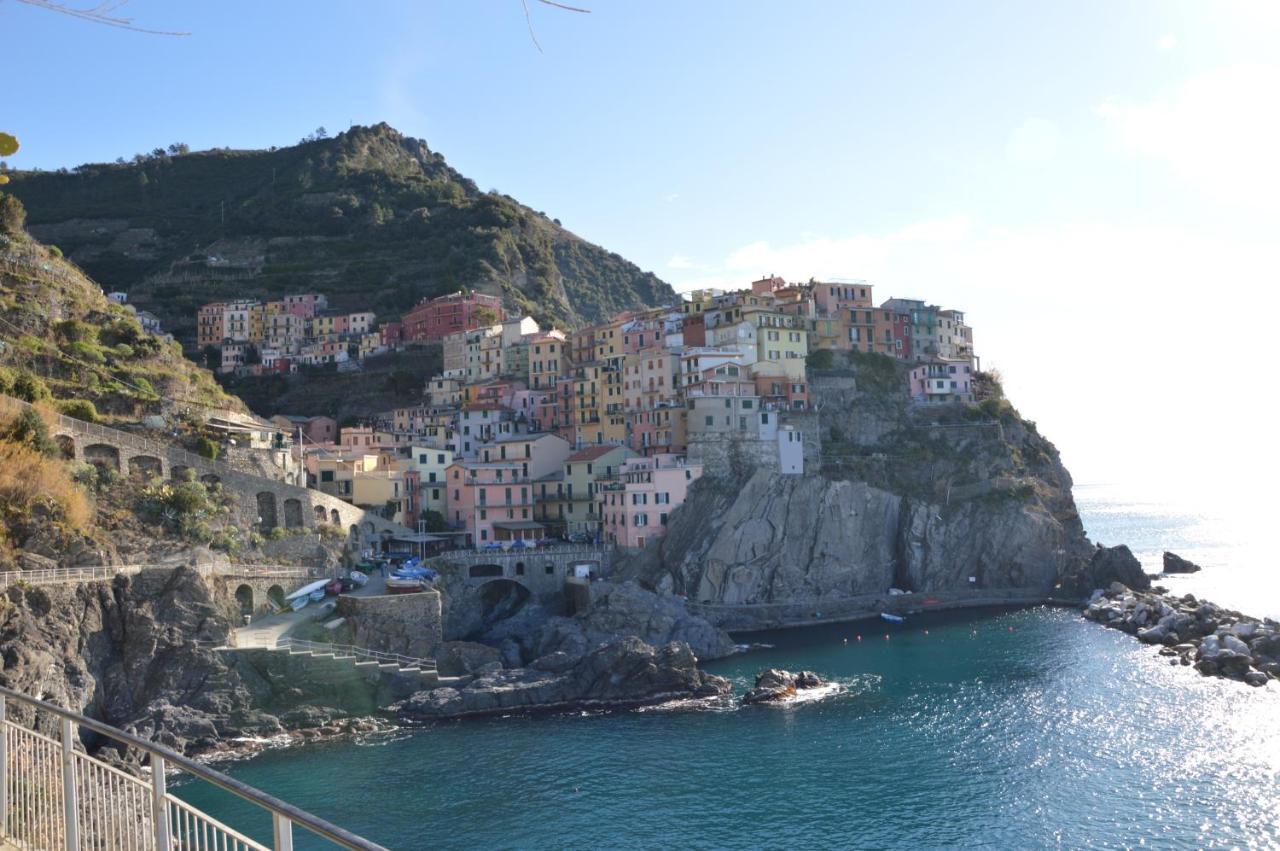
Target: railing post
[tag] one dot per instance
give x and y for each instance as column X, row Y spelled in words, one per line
column 159, row 803
column 283, row 830
column 70, row 807
column 4, row 772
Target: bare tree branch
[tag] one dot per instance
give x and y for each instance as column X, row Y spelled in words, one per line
column 99, row 14
column 528, row 19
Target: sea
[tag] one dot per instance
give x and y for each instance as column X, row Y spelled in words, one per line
column 1019, row 728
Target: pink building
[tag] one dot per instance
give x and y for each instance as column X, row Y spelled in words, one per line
column 773, row 283
column 433, row 319
column 636, row 506
column 305, row 305
column 942, row 381
column 490, row 502
column 834, row 299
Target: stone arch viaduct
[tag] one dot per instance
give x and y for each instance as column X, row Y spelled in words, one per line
column 265, row 504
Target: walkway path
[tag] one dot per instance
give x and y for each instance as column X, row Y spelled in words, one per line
column 267, row 631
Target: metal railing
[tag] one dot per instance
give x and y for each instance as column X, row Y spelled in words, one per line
column 55, row 796
column 99, row 573
column 362, row 653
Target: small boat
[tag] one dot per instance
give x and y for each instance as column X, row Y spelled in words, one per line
column 298, row 602
column 307, row 590
column 317, row 595
column 401, row 585
column 358, row 578
column 892, row 618
column 334, row 587
column 324, row 610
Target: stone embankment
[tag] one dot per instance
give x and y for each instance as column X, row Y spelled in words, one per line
column 1217, row 641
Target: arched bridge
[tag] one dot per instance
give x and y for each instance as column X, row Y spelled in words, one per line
column 265, row 504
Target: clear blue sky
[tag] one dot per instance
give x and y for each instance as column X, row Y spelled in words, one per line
column 1083, row 178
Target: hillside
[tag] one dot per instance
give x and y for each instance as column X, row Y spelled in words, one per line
column 370, row 217
column 62, row 339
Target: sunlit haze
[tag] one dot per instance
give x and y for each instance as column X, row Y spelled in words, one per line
column 1094, row 184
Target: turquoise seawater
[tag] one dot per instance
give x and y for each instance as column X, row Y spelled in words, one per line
column 996, row 729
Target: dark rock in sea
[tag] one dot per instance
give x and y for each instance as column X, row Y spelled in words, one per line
column 621, row 674
column 775, row 685
column 1117, row 564
column 1177, row 564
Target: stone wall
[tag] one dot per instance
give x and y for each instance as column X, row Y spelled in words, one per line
column 408, row 624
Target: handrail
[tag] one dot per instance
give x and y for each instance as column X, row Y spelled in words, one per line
column 287, row 643
column 102, row 572
column 284, row 814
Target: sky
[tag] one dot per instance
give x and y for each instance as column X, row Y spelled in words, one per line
column 1094, row 183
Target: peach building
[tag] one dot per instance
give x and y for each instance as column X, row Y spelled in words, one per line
column 635, row 507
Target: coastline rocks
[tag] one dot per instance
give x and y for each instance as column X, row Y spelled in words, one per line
column 775, row 686
column 1177, row 564
column 459, row 658
column 1117, row 564
column 624, row 673
column 1219, row 642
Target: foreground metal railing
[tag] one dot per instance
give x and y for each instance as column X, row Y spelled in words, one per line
column 53, row 796
column 363, row 653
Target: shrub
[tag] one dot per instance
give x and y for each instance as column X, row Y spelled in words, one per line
column 124, row 351
column 28, row 478
column 75, row 331
column 207, row 448
column 183, row 508
column 29, row 429
column 30, row 387
column 821, row 359
column 54, row 251
column 80, row 409
column 7, row 377
column 277, row 533
column 13, row 216
column 85, row 352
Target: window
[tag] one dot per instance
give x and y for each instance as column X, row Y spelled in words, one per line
column 326, row 475
column 484, row 515
column 711, row 421
column 746, row 404
column 435, row 493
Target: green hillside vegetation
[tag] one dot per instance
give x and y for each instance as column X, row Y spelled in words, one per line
column 63, row 341
column 370, row 218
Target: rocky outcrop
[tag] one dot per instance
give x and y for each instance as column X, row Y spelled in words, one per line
column 619, row 609
column 789, row 539
column 778, row 686
column 1219, row 642
column 1107, row 565
column 624, row 673
column 137, row 652
column 1174, row 563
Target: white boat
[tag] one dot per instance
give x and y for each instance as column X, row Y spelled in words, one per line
column 306, row 590
column 892, row 618
column 358, row 578
column 318, row 594
column 298, row 602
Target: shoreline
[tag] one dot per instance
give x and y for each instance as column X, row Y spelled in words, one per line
column 742, row 619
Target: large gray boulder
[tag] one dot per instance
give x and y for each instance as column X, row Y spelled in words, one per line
column 1177, row 564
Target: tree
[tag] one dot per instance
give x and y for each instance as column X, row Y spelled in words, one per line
column 13, row 216
column 321, row 133
column 8, row 147
column 179, row 148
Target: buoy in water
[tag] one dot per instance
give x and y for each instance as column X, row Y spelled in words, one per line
column 926, row 632
column 886, row 636
column 846, row 641
column 859, row 637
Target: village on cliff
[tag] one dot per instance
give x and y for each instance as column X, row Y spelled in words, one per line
column 529, row 436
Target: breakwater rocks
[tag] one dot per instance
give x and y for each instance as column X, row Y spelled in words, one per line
column 778, row 686
column 1174, row 563
column 621, row 674
column 1217, row 641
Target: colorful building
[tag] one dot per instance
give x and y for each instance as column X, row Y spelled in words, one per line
column 635, row 506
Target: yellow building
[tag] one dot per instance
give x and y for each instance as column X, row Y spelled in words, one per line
column 781, row 342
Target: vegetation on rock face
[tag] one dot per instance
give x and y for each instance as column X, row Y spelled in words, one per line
column 63, row 339
column 371, row 218
column 35, row 484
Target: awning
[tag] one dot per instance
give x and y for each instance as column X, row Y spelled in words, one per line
column 519, row 525
column 417, row 538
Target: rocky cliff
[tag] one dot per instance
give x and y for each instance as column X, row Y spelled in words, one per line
column 137, row 653
column 937, row 499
